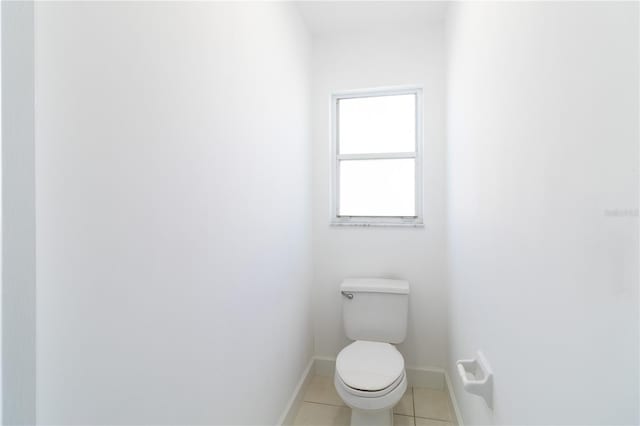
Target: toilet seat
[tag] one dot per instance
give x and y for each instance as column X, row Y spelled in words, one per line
column 371, row 402
column 370, row 369
column 370, row 394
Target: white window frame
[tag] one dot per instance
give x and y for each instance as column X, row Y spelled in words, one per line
column 336, row 219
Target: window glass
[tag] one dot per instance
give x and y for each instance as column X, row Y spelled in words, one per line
column 377, row 187
column 377, row 124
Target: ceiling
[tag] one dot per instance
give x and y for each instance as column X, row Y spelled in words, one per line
column 329, row 17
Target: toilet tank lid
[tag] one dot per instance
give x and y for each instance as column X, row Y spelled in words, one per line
column 375, row 285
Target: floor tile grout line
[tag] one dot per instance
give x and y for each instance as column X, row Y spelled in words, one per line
column 429, row 418
column 413, row 404
column 433, row 418
column 397, row 414
column 324, row 403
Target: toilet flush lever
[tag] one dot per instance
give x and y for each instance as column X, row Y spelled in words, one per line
column 347, row 295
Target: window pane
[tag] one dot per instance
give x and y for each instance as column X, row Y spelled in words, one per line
column 377, row 124
column 377, row 187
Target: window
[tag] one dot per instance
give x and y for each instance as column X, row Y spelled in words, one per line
column 377, row 165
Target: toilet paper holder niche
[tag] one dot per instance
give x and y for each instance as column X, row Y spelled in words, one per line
column 477, row 377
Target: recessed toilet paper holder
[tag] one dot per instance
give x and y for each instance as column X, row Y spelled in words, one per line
column 477, row 377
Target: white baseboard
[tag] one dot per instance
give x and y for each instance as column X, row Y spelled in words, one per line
column 452, row 400
column 432, row 378
column 324, row 366
column 291, row 409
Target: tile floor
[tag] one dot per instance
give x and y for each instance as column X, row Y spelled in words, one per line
column 322, row 406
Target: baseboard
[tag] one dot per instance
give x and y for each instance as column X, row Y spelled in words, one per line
column 432, row 378
column 291, row 409
column 324, row 366
column 452, row 399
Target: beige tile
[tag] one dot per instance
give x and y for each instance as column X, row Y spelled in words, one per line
column 432, row 404
column 399, row 420
column 430, row 422
column 405, row 406
column 322, row 390
column 311, row 414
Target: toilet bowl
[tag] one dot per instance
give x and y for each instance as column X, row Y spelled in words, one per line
column 370, row 375
column 370, row 378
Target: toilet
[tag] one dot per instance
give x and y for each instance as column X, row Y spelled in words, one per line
column 370, row 375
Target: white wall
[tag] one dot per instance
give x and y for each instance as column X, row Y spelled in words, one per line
column 18, row 216
column 542, row 156
column 173, row 212
column 1, row 380
column 346, row 61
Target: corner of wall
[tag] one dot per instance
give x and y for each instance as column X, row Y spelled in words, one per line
column 18, row 215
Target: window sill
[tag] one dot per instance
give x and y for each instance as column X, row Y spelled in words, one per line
column 378, row 224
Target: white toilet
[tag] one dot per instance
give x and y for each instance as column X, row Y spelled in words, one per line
column 370, row 376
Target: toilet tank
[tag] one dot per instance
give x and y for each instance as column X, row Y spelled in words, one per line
column 375, row 309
